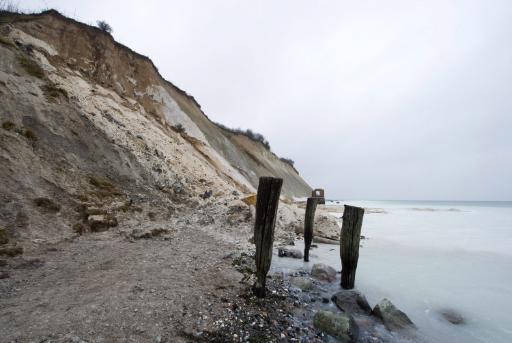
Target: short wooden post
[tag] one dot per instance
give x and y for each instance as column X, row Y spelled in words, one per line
column 349, row 245
column 309, row 222
column 267, row 201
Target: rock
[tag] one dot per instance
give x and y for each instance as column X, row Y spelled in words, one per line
column 11, row 251
column 323, row 272
column 325, row 226
column 393, row 318
column 288, row 241
column 238, row 214
column 206, row 194
column 285, row 252
column 47, row 205
column 4, row 275
column 340, row 326
column 141, row 234
column 147, row 234
column 452, row 316
column 351, row 301
column 304, row 283
column 3, row 263
column 158, row 232
column 4, row 237
column 78, row 228
column 100, row 222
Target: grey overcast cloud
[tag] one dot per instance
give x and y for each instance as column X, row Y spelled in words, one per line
column 371, row 99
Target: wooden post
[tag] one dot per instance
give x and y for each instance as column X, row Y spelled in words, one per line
column 349, row 249
column 309, row 222
column 267, row 201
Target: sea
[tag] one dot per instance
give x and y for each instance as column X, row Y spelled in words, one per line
column 431, row 256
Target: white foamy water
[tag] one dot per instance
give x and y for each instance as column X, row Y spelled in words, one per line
column 426, row 256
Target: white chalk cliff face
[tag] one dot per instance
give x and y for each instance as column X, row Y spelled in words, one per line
column 77, row 107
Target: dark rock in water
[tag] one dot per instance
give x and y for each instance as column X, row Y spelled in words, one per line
column 285, row 252
column 301, row 282
column 3, row 263
column 340, row 326
column 351, row 301
column 393, row 318
column 452, row 316
column 4, row 275
column 323, row 272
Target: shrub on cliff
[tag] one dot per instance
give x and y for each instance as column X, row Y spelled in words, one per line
column 287, row 160
column 104, row 26
column 257, row 137
column 178, row 128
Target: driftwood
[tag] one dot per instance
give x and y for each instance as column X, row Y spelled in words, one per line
column 309, row 222
column 267, row 201
column 349, row 249
column 325, row 240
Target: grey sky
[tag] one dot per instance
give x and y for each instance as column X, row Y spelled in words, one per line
column 372, row 99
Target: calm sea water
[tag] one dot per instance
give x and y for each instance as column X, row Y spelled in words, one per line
column 426, row 256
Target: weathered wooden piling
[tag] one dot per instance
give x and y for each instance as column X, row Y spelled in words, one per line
column 309, row 222
column 267, row 201
column 349, row 245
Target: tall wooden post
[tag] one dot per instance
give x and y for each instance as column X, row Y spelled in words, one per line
column 309, row 222
column 267, row 201
column 349, row 249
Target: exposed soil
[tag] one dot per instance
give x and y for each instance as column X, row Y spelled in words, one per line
column 106, row 288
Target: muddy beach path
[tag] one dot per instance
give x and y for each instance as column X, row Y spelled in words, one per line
column 108, row 288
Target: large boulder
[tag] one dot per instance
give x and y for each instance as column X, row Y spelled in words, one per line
column 393, row 318
column 351, row 301
column 325, row 227
column 323, row 272
column 285, row 252
column 304, row 283
column 340, row 326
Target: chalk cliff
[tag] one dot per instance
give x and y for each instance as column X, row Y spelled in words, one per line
column 87, row 122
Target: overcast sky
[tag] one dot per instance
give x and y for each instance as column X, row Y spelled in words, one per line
column 372, row 99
